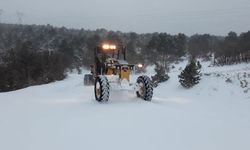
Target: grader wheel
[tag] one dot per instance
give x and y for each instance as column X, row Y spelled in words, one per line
column 101, row 89
column 88, row 79
column 144, row 88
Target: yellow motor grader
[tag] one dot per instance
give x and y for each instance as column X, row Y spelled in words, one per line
column 110, row 66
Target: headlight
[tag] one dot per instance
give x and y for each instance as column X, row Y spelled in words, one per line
column 112, row 46
column 105, row 46
column 140, row 65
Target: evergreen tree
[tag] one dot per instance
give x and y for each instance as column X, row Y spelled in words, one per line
column 160, row 75
column 190, row 75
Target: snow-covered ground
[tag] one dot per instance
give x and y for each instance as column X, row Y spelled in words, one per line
column 213, row 115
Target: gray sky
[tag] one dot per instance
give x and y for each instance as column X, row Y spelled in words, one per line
column 142, row 16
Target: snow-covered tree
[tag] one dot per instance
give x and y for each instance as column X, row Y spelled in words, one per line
column 160, row 76
column 190, row 75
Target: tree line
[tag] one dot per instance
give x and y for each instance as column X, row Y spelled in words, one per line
column 37, row 54
column 23, row 66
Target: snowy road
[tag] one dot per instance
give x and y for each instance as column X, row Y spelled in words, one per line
column 64, row 116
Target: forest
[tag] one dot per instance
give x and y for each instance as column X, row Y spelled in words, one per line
column 38, row 54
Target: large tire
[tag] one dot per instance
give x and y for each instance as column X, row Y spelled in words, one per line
column 88, row 79
column 101, row 89
column 144, row 88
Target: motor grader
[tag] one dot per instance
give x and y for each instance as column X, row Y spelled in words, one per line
column 111, row 67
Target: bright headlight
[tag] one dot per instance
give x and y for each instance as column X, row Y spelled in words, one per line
column 105, row 46
column 140, row 65
column 112, row 46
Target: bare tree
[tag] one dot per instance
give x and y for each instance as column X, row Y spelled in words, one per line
column 20, row 17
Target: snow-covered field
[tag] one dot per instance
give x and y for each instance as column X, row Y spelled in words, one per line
column 213, row 115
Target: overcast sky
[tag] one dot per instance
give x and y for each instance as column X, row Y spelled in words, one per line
column 141, row 16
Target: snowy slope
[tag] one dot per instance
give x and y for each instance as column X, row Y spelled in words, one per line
column 214, row 115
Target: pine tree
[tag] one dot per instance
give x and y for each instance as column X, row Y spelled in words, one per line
column 160, row 75
column 190, row 75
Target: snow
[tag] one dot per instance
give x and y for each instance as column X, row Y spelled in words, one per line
column 213, row 115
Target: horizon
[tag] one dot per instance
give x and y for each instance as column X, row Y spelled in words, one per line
column 216, row 17
column 69, row 28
